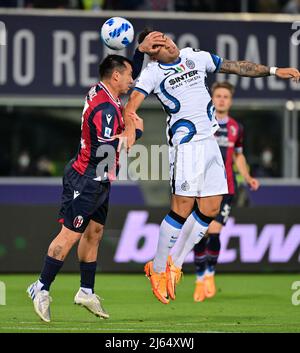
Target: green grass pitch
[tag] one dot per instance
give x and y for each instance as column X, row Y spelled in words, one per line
column 244, row 303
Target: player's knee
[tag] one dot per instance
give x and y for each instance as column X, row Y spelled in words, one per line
column 182, row 206
column 213, row 211
column 215, row 227
column 61, row 245
column 210, row 208
column 94, row 233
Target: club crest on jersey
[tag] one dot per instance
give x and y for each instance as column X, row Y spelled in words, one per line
column 185, row 186
column 78, row 220
column 190, row 64
column 107, row 132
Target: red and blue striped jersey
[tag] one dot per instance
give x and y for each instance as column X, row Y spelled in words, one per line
column 230, row 137
column 101, row 119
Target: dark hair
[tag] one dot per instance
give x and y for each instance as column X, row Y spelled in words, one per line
column 112, row 63
column 144, row 34
column 226, row 85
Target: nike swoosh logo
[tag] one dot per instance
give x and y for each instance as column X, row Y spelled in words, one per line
column 166, row 73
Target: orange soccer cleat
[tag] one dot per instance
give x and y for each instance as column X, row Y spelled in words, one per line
column 209, row 286
column 158, row 282
column 173, row 277
column 199, row 293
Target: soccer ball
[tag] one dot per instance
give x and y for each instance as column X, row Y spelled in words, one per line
column 117, row 33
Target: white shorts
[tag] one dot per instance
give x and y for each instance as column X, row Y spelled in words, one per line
column 197, row 169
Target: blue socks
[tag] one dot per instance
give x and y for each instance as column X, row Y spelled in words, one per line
column 49, row 272
column 206, row 254
column 200, row 258
column 52, row 266
column 88, row 272
column 212, row 251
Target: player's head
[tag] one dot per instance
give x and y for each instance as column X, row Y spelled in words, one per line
column 117, row 71
column 167, row 53
column 222, row 93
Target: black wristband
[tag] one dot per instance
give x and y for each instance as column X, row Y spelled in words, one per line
column 138, row 133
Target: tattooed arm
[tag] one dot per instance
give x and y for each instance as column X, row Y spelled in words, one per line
column 249, row 69
column 244, row 68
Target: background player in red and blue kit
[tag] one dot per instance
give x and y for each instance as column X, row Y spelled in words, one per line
column 230, row 141
column 86, row 187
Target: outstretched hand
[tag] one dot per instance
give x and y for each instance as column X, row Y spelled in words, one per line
column 152, row 43
column 288, row 72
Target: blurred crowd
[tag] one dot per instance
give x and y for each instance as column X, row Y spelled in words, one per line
column 262, row 6
column 27, row 166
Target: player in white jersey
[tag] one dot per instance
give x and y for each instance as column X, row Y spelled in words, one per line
column 181, row 89
column 177, row 78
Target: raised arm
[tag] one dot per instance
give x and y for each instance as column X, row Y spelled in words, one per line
column 249, row 69
column 135, row 100
column 150, row 45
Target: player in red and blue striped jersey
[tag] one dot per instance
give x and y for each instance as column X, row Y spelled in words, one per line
column 86, row 187
column 230, row 140
column 101, row 120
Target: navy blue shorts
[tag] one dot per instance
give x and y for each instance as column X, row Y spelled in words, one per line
column 225, row 209
column 83, row 199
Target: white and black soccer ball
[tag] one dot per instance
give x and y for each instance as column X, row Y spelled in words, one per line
column 117, row 33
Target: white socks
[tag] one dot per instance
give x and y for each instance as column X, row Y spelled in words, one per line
column 168, row 233
column 193, row 231
column 39, row 285
column 200, row 278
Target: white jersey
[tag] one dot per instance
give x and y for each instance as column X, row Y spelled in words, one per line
column 181, row 89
